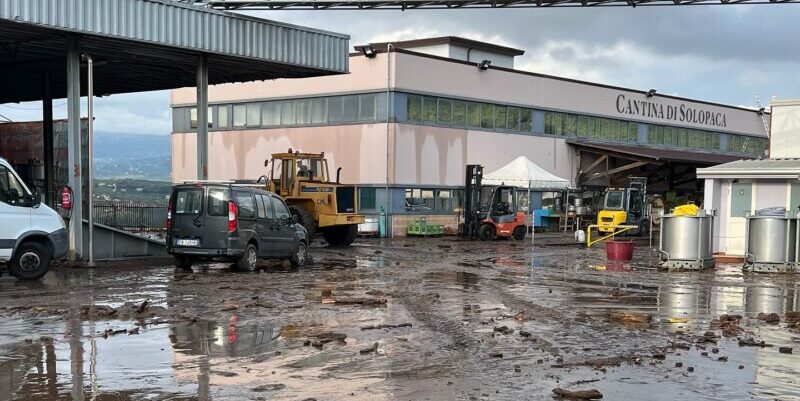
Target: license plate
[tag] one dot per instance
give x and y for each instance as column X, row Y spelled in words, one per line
column 188, row 242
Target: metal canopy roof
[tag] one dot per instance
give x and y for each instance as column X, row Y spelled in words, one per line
column 657, row 155
column 766, row 168
column 142, row 45
column 455, row 4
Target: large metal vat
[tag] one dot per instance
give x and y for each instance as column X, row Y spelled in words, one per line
column 685, row 242
column 772, row 242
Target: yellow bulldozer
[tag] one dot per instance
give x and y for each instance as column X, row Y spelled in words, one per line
column 318, row 203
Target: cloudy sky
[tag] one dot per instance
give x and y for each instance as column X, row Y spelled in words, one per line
column 717, row 53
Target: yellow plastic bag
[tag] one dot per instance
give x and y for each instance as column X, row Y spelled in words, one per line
column 686, row 210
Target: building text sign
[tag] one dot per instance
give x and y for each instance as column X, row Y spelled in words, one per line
column 678, row 113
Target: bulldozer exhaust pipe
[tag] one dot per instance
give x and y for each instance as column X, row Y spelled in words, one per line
column 338, row 173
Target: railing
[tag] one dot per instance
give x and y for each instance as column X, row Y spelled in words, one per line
column 131, row 216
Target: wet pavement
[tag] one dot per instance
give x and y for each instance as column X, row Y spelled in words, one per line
column 407, row 319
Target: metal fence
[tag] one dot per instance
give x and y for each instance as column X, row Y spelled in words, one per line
column 131, row 216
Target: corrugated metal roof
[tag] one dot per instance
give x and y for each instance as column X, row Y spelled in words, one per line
column 662, row 155
column 175, row 24
column 143, row 45
column 766, row 168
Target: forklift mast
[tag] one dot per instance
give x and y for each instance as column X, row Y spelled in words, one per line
column 472, row 201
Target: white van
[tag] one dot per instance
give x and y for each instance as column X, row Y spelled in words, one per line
column 31, row 234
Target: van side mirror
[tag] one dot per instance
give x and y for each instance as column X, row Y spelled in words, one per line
column 35, row 199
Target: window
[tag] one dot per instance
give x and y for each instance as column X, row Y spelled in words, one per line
column 570, row 124
column 193, row 117
column 445, row 115
column 253, row 114
column 350, row 108
column 217, row 202
column 366, row 198
column 487, row 115
column 335, row 107
column 318, row 109
column 513, row 118
column 419, row 200
column 188, row 201
column 302, row 110
column 244, row 200
column 222, row 116
column 633, row 132
column 11, row 191
column 794, row 197
column 741, row 198
column 525, row 120
column 367, row 110
column 473, row 115
column 499, row 117
column 269, row 211
column 281, row 211
column 459, row 113
column 414, row 108
column 288, row 112
column 429, row 109
column 614, row 200
column 271, row 114
column 583, row 126
column 239, row 115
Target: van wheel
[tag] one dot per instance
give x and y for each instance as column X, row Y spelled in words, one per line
column 300, row 255
column 519, row 233
column 30, row 262
column 249, row 259
column 486, row 232
column 340, row 236
column 183, row 262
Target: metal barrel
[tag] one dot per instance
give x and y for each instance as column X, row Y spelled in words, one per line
column 686, row 238
column 772, row 239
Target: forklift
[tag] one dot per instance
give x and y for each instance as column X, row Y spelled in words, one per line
column 625, row 206
column 490, row 212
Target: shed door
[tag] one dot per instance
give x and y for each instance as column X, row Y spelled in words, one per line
column 741, row 202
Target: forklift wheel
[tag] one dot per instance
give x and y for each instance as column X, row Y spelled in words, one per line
column 519, row 233
column 486, row 232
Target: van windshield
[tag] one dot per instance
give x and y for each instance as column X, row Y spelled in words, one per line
column 188, row 201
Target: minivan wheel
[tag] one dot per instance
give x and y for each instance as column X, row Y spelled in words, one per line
column 183, row 262
column 30, row 262
column 300, row 255
column 249, row 259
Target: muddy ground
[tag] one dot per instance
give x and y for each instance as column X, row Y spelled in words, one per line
column 406, row 319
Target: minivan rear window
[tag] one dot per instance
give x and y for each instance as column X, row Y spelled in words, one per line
column 217, row 202
column 188, row 201
column 247, row 208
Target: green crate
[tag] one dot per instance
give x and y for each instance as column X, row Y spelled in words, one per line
column 421, row 228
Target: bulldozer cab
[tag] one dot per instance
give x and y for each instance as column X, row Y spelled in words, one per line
column 287, row 170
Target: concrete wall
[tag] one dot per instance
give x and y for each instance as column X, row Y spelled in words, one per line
column 785, row 129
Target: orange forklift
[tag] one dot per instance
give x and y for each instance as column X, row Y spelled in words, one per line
column 490, row 211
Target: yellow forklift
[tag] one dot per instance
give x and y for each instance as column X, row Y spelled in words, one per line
column 624, row 207
column 318, row 203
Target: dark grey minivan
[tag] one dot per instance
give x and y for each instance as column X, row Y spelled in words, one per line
column 229, row 223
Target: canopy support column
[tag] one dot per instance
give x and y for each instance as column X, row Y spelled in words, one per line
column 74, row 161
column 202, row 118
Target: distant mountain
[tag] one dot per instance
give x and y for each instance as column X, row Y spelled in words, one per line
column 134, row 156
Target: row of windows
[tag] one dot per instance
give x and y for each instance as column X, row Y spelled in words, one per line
column 293, row 112
column 432, row 110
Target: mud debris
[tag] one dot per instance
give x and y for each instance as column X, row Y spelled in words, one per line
column 386, row 326
column 369, row 350
column 503, row 330
column 268, row 387
column 578, row 395
column 751, row 342
column 97, row 311
column 769, row 318
column 785, row 350
column 728, row 324
column 632, row 318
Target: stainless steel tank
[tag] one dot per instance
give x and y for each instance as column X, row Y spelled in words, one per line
column 772, row 242
column 686, row 241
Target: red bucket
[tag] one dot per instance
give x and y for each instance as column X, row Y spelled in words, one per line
column 619, row 250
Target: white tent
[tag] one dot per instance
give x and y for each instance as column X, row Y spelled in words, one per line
column 523, row 173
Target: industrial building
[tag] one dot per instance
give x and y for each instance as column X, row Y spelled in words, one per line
column 411, row 115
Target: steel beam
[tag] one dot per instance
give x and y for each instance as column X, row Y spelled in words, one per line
column 202, row 117
column 47, row 143
column 427, row 4
column 74, row 163
column 616, row 170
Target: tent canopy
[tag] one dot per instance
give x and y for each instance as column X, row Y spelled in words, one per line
column 522, row 172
